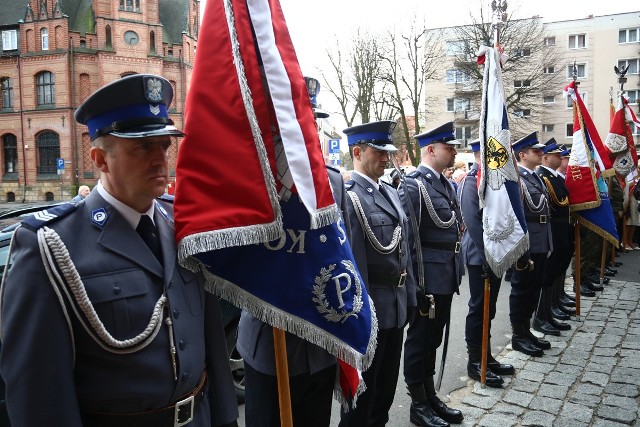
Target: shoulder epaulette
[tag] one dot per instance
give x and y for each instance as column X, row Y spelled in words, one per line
column 414, row 174
column 166, row 198
column 48, row 216
column 349, row 184
column 333, row 168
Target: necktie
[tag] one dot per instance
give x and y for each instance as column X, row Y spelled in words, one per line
column 149, row 234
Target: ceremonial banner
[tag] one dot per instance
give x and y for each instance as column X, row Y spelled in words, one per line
column 620, row 142
column 504, row 226
column 253, row 202
column 588, row 196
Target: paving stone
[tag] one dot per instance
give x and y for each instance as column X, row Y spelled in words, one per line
column 487, row 391
column 596, row 378
column 560, row 378
column 572, row 370
column 607, row 423
column 543, row 367
column 587, row 388
column 484, row 402
column 568, row 422
column 576, row 412
column 527, row 386
column 492, row 420
column 596, row 366
column 604, row 351
column 505, row 408
column 616, row 414
column 518, row 398
column 538, row 418
column 587, row 400
column 625, row 375
column 625, row 403
column 546, row 404
column 619, row 389
column 630, row 362
column 552, row 390
column 531, row 376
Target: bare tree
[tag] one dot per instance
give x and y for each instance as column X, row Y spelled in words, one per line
column 408, row 60
column 534, row 68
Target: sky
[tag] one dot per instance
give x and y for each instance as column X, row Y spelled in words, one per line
column 315, row 26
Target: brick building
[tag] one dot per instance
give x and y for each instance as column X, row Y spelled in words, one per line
column 55, row 53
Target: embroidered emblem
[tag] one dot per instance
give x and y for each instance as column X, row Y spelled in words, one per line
column 498, row 237
column 155, row 109
column 497, row 155
column 44, row 216
column 153, row 90
column 369, row 190
column 99, row 217
column 429, row 175
column 323, row 305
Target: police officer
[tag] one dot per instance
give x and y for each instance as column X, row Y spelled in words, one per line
column 312, row 370
column 432, row 200
column 379, row 228
column 100, row 325
column 529, row 269
column 477, row 268
column 553, row 281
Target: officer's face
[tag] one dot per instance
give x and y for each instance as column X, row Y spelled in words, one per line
column 553, row 160
column 134, row 171
column 369, row 161
column 443, row 155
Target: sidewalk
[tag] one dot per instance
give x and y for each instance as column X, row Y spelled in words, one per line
column 589, row 377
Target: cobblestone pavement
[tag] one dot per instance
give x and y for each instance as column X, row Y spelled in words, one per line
column 589, row 377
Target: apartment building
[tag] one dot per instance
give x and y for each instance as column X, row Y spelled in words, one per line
column 596, row 44
column 53, row 55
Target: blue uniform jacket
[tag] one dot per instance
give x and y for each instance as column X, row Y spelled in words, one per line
column 538, row 220
column 53, row 370
column 472, row 238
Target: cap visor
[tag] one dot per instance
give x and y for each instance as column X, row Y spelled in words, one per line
column 144, row 133
column 537, row 145
column 387, row 147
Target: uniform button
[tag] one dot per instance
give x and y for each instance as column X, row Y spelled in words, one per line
column 176, row 313
column 182, row 344
column 116, row 290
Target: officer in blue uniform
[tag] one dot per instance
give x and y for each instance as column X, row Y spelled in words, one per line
column 548, row 315
column 526, row 280
column 431, row 200
column 477, row 269
column 100, row 325
column 380, row 247
column 312, row 370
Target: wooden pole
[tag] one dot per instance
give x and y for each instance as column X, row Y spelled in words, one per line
column 282, row 372
column 485, row 330
column 577, row 279
column 603, row 260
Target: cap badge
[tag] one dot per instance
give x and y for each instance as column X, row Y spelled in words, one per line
column 154, row 90
column 99, row 217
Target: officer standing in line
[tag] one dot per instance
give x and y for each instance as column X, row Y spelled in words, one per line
column 312, row 370
column 545, row 318
column 100, row 325
column 527, row 275
column 379, row 228
column 477, row 269
column 432, row 198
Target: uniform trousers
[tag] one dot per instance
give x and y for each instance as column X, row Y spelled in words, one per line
column 424, row 336
column 311, row 398
column 381, row 379
column 525, row 290
column 473, row 327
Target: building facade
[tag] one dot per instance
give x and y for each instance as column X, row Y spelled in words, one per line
column 595, row 44
column 54, row 54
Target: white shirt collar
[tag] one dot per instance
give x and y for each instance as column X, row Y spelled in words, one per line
column 375, row 184
column 525, row 168
column 436, row 173
column 131, row 215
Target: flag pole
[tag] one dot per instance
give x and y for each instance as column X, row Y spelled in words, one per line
column 282, row 372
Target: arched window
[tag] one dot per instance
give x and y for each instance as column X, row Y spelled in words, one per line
column 107, row 31
column 48, row 196
column 48, row 144
column 11, row 196
column 46, row 84
column 44, row 39
column 7, row 92
column 10, row 153
column 152, row 42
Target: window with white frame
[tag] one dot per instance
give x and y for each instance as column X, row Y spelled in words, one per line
column 521, row 83
column 577, row 41
column 635, row 129
column 522, row 112
column 9, row 40
column 549, row 69
column 518, row 52
column 458, row 104
column 463, row 133
column 632, row 63
column 44, row 38
column 547, row 128
column 569, row 130
column 632, row 96
column 456, row 47
column 570, row 101
column 550, row 41
column 581, row 71
column 457, row 76
column 628, row 35
column 548, row 99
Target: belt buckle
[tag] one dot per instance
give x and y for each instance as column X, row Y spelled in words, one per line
column 402, row 279
column 543, row 219
column 457, row 248
column 188, row 402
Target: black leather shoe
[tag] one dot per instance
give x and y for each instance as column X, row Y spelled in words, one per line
column 570, row 311
column 492, row 380
column 594, row 287
column 558, row 313
column 616, row 263
column 567, row 296
column 538, row 342
column 451, row 415
column 523, row 345
column 561, row 326
column 542, row 325
column 594, row 278
column 586, row 292
column 422, row 415
column 501, row 368
column 611, row 270
column 567, row 302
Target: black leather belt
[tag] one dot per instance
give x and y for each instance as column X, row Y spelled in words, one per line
column 542, row 219
column 176, row 415
column 382, row 280
column 443, row 246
